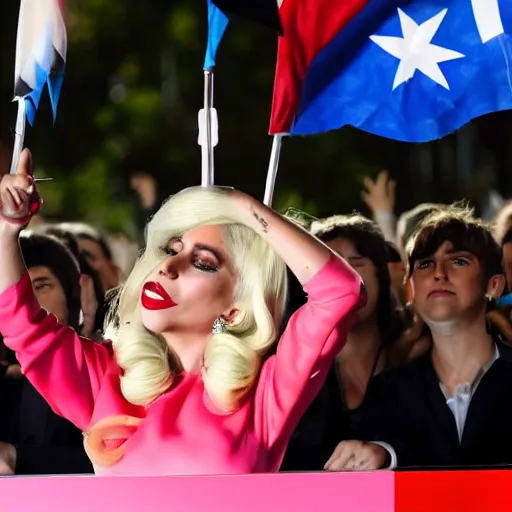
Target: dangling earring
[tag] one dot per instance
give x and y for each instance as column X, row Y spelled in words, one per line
column 219, row 326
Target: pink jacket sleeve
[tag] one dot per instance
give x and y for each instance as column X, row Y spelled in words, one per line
column 290, row 380
column 65, row 368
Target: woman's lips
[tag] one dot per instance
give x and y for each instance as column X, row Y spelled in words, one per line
column 440, row 293
column 154, row 297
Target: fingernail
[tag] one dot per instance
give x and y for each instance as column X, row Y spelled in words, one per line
column 30, row 190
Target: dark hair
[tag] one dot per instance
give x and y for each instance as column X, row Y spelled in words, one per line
column 87, row 232
column 47, row 251
column 456, row 224
column 370, row 243
column 69, row 240
column 105, row 249
column 411, row 219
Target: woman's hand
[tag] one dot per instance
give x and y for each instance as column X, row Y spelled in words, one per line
column 89, row 306
column 8, row 456
column 379, row 195
column 357, row 456
column 19, row 198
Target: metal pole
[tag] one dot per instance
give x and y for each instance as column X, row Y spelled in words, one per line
column 19, row 136
column 272, row 170
column 208, row 168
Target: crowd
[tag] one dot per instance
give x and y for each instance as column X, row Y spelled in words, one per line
column 382, row 345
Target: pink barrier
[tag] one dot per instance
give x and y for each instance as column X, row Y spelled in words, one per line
column 346, row 492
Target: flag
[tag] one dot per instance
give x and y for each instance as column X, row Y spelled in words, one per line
column 262, row 12
column 217, row 23
column 40, row 53
column 413, row 72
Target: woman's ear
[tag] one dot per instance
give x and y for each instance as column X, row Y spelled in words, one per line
column 229, row 316
column 496, row 286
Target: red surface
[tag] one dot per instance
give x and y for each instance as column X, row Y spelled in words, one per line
column 454, row 491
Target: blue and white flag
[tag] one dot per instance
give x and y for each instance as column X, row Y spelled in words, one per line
column 40, row 53
column 422, row 73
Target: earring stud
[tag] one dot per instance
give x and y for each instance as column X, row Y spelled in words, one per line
column 219, row 326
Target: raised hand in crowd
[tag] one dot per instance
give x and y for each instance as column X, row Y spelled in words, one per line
column 379, row 195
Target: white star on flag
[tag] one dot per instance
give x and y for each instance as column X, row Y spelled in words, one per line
column 415, row 50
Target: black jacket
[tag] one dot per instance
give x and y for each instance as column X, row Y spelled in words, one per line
column 406, row 408
column 46, row 443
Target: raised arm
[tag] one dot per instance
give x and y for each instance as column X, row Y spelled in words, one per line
column 315, row 333
column 66, row 369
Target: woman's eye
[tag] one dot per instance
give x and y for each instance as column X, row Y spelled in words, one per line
column 459, row 262
column 424, row 264
column 170, row 251
column 205, row 266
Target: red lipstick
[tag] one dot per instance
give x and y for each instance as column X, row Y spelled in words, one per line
column 154, row 297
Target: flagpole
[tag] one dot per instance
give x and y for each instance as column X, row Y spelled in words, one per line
column 206, row 139
column 19, row 135
column 272, row 170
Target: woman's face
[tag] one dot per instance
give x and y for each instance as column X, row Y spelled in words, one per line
column 97, row 259
column 448, row 286
column 366, row 269
column 49, row 292
column 192, row 287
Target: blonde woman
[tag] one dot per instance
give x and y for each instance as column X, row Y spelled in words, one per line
column 185, row 387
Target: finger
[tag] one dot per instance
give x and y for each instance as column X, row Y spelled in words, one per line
column 335, row 454
column 15, row 196
column 18, row 181
column 368, row 183
column 25, row 164
column 21, row 196
column 365, row 197
column 345, row 462
column 342, row 461
column 382, row 178
column 9, row 204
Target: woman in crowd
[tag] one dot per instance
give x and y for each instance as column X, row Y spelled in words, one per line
column 334, row 413
column 183, row 389
column 34, row 439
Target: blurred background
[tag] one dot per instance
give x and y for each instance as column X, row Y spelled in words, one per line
column 128, row 114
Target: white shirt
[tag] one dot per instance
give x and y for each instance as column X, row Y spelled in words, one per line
column 458, row 404
column 463, row 393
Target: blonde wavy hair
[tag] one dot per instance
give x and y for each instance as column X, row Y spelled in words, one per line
column 233, row 359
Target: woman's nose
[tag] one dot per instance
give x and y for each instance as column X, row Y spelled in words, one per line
column 169, row 268
column 440, row 271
